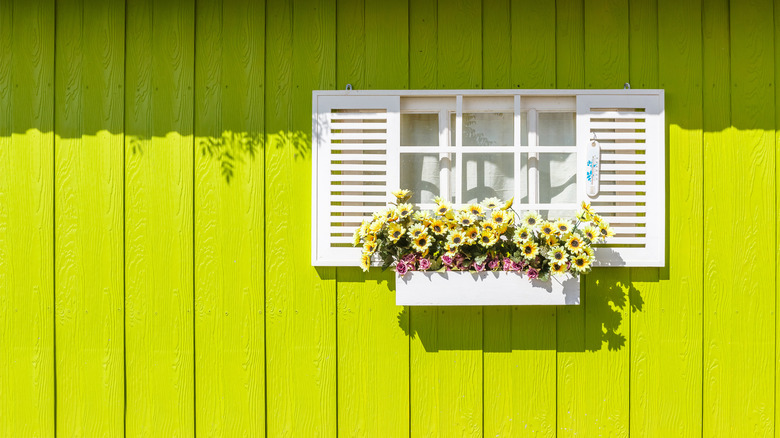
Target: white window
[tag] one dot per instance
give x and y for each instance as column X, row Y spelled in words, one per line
column 549, row 149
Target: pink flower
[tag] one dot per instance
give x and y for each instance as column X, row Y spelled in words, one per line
column 423, row 264
column 518, row 266
column 493, row 264
column 509, row 264
column 408, row 258
column 478, row 267
column 533, row 274
column 401, row 268
column 447, row 260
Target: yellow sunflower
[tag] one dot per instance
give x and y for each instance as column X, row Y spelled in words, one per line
column 364, row 228
column 369, row 248
column 415, row 230
column 522, row 235
column 581, row 263
column 475, row 209
column 472, row 233
column 421, row 242
column 605, row 231
column 371, row 237
column 365, row 262
column 422, row 216
column 438, row 199
column 382, row 215
column 487, row 238
column 529, row 249
column 557, row 255
column 582, row 216
column 588, row 251
column 590, row 233
column 375, row 226
column 508, row 204
column 532, row 219
column 456, row 239
column 574, row 243
column 491, row 203
column 404, row 210
column 356, row 237
column 490, row 226
column 443, row 208
column 558, row 268
column 402, row 194
column 501, row 217
column 465, row 220
column 587, row 208
column 547, row 229
column 439, row 227
column 562, row 226
column 395, row 231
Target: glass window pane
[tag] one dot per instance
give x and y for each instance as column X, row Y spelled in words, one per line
column 524, row 128
column 556, row 129
column 420, row 174
column 557, row 178
column 487, row 175
column 485, row 129
column 420, row 129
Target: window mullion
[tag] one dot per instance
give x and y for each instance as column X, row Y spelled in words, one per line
column 445, row 163
column 458, row 144
column 518, row 156
column 533, row 158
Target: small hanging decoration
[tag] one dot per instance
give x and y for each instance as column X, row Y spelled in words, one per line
column 593, row 156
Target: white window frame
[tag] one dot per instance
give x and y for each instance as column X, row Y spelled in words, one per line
column 530, row 101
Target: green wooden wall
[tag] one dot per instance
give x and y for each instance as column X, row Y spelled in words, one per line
column 154, row 225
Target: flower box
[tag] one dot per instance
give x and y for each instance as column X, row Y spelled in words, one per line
column 488, row 288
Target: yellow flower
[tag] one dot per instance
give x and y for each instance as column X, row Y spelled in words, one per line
column 590, row 233
column 487, row 238
column 465, row 219
column 587, row 208
column 490, row 226
column 415, row 230
column 522, row 235
column 508, row 204
column 421, row 242
column 455, row 239
column 563, row 226
column 573, row 243
column 532, row 219
column 547, row 229
column 443, row 208
column 356, row 237
column 365, row 262
column 364, row 228
column 529, row 249
column 404, row 210
column 491, row 203
column 501, row 217
column 596, row 219
column 380, row 216
column 552, row 240
column 605, row 231
column 438, row 199
column 395, row 231
column 588, row 251
column 580, row 263
column 439, row 227
column 583, row 215
column 475, row 209
column 402, row 194
column 422, row 216
column 472, row 233
column 558, row 268
column 375, row 226
column 371, row 237
column 557, row 255
column 369, row 248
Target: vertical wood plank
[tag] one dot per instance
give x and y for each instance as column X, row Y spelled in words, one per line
column 27, row 402
column 519, row 342
column 300, row 300
column 666, row 335
column 351, row 44
column 229, row 223
column 373, row 366
column 158, row 218
column 569, row 44
column 593, row 359
column 423, row 44
column 89, row 166
column 777, row 216
column 739, row 312
column 496, row 44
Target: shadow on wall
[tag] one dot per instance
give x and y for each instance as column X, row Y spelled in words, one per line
column 600, row 317
column 233, row 151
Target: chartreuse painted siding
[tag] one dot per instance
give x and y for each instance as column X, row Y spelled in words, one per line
column 155, row 180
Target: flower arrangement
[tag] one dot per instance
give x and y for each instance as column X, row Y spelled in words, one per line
column 486, row 236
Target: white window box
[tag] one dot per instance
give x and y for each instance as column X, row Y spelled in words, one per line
column 492, row 288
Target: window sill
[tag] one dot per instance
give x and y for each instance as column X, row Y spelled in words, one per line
column 495, row 288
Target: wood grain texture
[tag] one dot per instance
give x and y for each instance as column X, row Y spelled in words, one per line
column 569, row 44
column 459, row 44
column 496, row 44
column 533, row 44
column 593, row 358
column 27, row 402
column 739, row 311
column 423, row 44
column 89, row 251
column 229, row 223
column 666, row 346
column 158, row 219
column 373, row 359
column 300, row 300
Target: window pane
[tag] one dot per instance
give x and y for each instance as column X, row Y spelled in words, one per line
column 420, row 129
column 420, row 174
column 487, row 175
column 557, row 214
column 524, row 128
column 556, row 129
column 485, row 129
column 557, row 178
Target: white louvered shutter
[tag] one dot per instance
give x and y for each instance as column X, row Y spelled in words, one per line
column 629, row 131
column 355, row 167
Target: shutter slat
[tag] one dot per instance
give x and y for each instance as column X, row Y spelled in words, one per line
column 605, row 177
column 358, row 136
column 623, row 167
column 622, row 157
column 357, row 126
column 357, row 116
column 357, row 147
column 340, row 177
column 361, row 198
